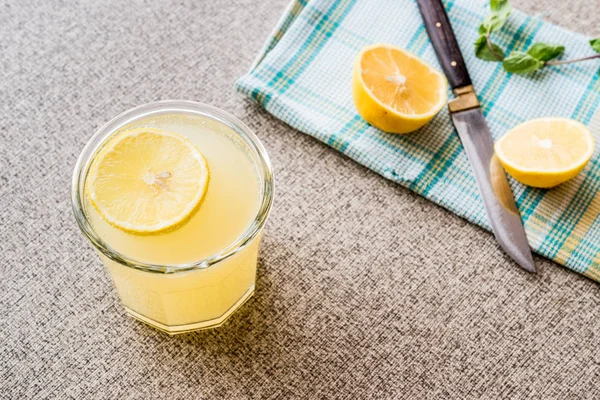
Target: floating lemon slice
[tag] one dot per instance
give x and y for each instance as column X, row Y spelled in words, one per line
column 148, row 181
column 396, row 91
column 545, row 152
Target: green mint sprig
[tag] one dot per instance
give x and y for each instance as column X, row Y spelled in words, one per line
column 537, row 57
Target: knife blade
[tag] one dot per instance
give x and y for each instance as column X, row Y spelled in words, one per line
column 475, row 137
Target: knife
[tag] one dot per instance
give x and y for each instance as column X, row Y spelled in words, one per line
column 475, row 137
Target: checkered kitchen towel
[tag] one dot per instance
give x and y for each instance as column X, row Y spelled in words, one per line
column 303, row 75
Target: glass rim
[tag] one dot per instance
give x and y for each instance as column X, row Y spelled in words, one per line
column 159, row 108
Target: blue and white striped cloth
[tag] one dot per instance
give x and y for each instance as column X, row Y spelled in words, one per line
column 303, row 75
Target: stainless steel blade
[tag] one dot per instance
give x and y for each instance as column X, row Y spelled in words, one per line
column 497, row 196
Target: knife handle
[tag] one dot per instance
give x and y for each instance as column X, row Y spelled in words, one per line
column 444, row 42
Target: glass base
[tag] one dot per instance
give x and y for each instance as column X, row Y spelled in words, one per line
column 177, row 329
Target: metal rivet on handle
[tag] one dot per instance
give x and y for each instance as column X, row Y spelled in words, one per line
column 453, row 63
column 438, row 24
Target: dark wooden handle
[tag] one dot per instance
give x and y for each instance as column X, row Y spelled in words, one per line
column 444, row 42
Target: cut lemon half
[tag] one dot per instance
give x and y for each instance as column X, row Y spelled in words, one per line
column 396, row 91
column 147, row 180
column 545, row 152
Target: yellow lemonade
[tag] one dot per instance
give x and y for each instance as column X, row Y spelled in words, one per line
column 196, row 273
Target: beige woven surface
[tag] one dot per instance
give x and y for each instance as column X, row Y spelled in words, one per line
column 365, row 290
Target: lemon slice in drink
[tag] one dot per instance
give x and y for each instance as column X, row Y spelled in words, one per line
column 545, row 152
column 148, row 180
column 396, row 91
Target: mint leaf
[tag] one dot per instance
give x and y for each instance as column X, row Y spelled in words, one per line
column 483, row 30
column 521, row 63
column 545, row 52
column 483, row 52
column 500, row 10
column 500, row 7
column 491, row 23
column 595, row 43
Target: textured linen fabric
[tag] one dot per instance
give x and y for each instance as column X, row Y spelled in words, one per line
column 364, row 290
column 303, row 77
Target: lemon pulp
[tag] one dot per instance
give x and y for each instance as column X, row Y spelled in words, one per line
column 545, row 152
column 396, row 91
column 147, row 180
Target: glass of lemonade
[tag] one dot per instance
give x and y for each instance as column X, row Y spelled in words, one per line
column 174, row 196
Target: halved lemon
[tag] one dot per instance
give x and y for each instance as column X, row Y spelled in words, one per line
column 545, row 152
column 396, row 91
column 147, row 180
